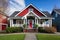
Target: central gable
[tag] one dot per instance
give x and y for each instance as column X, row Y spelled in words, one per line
column 26, row 10
column 30, row 14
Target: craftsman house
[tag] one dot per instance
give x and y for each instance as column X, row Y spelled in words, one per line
column 30, row 16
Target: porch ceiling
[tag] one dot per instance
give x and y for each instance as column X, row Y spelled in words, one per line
column 46, row 18
column 39, row 18
column 15, row 18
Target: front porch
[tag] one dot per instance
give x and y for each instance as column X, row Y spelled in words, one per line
column 30, row 22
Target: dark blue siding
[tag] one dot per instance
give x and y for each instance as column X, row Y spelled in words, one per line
column 56, row 21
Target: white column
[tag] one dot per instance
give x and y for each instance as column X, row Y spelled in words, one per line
column 37, row 21
column 11, row 23
column 50, row 22
column 24, row 21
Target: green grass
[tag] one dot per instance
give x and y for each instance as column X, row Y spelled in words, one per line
column 47, row 37
column 13, row 37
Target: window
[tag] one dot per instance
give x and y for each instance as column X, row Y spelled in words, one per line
column 30, row 9
column 56, row 14
column 14, row 21
column 39, row 21
column 19, row 21
column 47, row 22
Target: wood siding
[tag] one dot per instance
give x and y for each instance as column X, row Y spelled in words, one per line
column 24, row 12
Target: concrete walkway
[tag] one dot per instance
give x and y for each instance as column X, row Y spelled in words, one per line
column 11, row 34
column 30, row 36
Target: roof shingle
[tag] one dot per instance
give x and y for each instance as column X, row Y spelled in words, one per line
column 14, row 13
column 57, row 10
column 47, row 13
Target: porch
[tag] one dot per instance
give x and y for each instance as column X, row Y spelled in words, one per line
column 31, row 21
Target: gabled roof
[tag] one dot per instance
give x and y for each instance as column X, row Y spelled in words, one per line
column 25, row 11
column 57, row 10
column 16, row 12
column 15, row 17
column 47, row 13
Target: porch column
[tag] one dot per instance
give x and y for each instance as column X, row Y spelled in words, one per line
column 37, row 21
column 24, row 21
column 50, row 22
column 11, row 23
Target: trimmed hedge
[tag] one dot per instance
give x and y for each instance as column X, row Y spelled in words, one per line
column 40, row 29
column 14, row 29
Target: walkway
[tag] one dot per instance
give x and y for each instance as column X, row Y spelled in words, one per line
column 30, row 36
column 11, row 34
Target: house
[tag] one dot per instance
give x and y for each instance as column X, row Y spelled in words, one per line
column 30, row 16
column 3, row 21
column 56, row 21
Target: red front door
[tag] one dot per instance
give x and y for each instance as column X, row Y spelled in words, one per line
column 30, row 23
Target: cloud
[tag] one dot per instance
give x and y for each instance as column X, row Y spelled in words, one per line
column 14, row 5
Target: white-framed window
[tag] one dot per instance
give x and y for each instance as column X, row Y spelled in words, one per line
column 19, row 21
column 56, row 14
column 30, row 9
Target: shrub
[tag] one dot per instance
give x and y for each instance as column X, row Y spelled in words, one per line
column 35, row 25
column 40, row 29
column 14, row 29
column 50, row 29
column 24, row 25
column 53, row 29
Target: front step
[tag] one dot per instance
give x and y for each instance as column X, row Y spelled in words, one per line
column 30, row 30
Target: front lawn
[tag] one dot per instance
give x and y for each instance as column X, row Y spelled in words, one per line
column 47, row 37
column 13, row 37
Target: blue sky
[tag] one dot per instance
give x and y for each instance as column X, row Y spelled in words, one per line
column 44, row 5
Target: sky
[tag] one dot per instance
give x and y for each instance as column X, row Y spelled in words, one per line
column 14, row 5
column 18, row 5
column 44, row 5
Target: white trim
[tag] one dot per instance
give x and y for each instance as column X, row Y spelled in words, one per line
column 34, row 7
column 37, row 21
column 22, row 10
column 36, row 14
column 25, row 15
column 11, row 22
column 46, row 18
column 39, row 11
column 50, row 23
column 33, row 13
